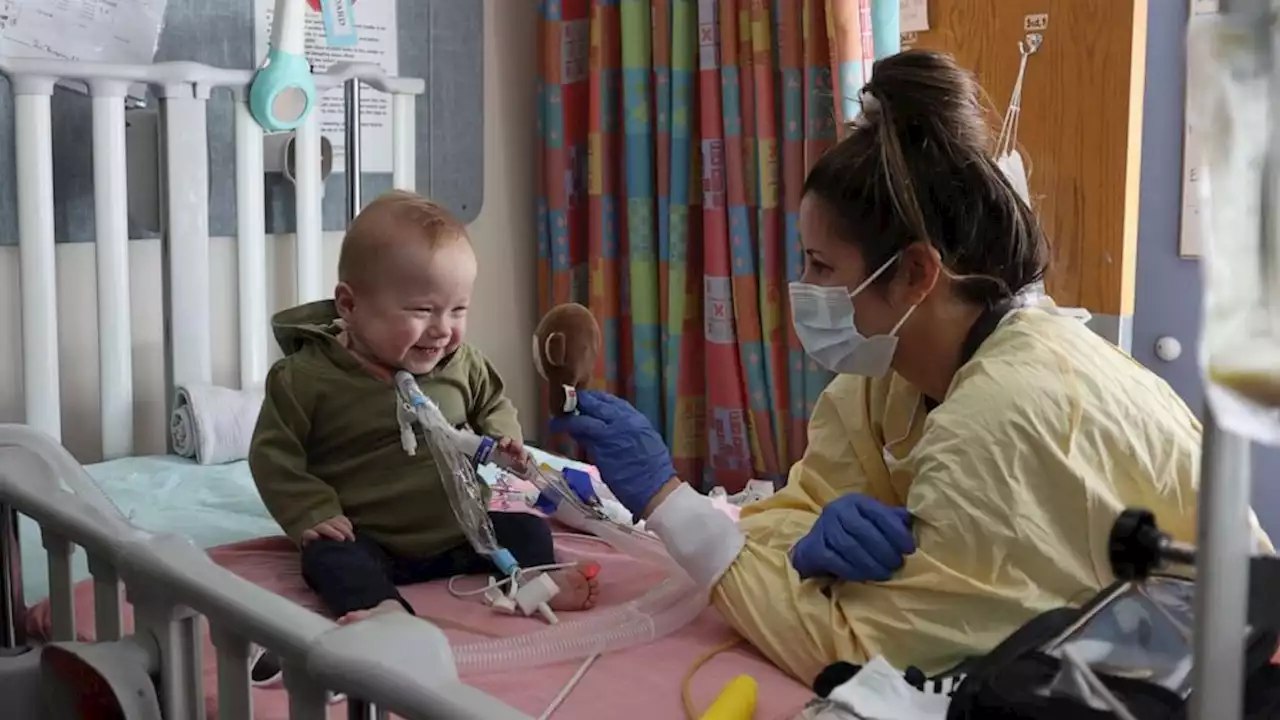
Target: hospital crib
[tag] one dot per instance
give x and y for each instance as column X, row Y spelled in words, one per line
column 394, row 664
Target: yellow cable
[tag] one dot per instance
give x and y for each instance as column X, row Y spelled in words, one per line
column 690, row 712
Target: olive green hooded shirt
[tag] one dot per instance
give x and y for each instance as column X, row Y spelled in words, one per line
column 327, row 441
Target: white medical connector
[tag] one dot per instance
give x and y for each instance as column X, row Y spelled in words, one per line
column 526, row 600
column 405, row 417
column 534, row 595
column 498, row 600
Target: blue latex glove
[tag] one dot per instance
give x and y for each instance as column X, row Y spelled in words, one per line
column 856, row 538
column 632, row 458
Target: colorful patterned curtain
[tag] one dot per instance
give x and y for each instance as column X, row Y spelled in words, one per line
column 675, row 138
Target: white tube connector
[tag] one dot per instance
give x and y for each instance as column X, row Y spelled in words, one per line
column 534, row 595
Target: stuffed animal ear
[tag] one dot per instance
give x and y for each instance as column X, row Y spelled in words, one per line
column 537, row 359
column 556, row 348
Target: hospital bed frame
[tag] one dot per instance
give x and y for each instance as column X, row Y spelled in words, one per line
column 394, row 664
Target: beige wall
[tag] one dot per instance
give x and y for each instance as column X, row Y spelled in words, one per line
column 504, row 235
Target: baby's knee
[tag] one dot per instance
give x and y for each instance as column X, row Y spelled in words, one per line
column 326, row 554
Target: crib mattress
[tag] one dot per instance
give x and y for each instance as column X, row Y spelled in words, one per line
column 642, row 682
column 212, row 504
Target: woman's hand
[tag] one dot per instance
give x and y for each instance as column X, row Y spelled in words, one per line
column 856, row 538
column 632, row 458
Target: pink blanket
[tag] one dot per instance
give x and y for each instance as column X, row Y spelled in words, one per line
column 643, row 682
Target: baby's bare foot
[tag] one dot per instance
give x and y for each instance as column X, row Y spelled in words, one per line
column 578, row 587
column 385, row 606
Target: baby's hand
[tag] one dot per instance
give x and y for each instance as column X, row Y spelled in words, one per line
column 518, row 458
column 335, row 528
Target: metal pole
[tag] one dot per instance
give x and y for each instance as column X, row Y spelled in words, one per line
column 13, row 631
column 1224, row 546
column 356, row 709
column 351, row 108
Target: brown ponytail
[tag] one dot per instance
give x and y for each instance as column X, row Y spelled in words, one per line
column 917, row 166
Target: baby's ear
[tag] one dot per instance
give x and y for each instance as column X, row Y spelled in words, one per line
column 556, row 349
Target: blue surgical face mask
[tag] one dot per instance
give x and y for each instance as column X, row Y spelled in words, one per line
column 823, row 319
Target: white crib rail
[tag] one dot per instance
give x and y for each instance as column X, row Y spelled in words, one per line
column 401, row 664
column 183, row 89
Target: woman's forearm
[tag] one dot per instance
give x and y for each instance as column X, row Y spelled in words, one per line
column 700, row 537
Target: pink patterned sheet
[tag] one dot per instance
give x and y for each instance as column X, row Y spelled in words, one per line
column 642, row 682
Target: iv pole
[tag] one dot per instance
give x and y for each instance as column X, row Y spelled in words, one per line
column 1224, row 546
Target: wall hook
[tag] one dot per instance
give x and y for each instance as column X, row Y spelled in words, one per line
column 1031, row 44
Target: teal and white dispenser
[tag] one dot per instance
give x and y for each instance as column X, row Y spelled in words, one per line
column 283, row 92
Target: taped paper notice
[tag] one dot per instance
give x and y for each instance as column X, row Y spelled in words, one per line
column 114, row 31
column 97, row 31
column 913, row 15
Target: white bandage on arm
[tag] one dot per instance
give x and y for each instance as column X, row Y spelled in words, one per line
column 701, row 538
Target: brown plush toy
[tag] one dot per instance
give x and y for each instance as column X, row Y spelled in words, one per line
column 565, row 347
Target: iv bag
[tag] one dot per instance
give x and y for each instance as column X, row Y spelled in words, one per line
column 1239, row 193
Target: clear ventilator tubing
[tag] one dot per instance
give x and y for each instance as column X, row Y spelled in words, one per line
column 458, row 475
column 667, row 607
column 672, row 604
column 1231, row 68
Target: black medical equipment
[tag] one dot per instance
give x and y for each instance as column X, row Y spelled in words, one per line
column 1138, row 549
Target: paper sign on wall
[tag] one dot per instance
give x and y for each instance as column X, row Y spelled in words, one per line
column 114, row 31
column 96, row 31
column 378, row 45
column 914, row 15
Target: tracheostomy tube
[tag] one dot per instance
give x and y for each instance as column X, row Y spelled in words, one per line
column 463, row 486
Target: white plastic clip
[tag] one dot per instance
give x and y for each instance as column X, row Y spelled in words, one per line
column 498, row 600
column 533, row 596
column 405, row 418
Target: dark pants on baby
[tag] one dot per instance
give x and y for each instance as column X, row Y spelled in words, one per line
column 357, row 575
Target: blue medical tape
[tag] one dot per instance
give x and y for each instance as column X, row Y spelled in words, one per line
column 505, row 561
column 485, row 451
